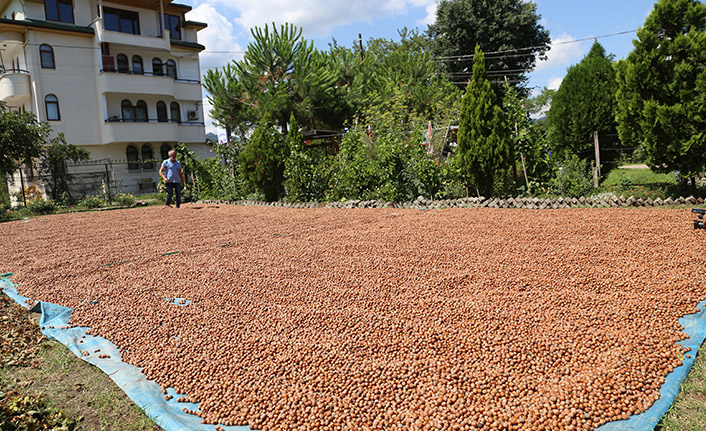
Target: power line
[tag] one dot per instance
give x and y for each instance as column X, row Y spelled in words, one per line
column 492, row 54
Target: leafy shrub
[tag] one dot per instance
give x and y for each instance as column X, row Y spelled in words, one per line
column 573, row 178
column 41, row 206
column 92, row 202
column 125, row 199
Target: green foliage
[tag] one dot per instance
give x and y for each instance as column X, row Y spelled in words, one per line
column 191, row 167
column 528, row 141
column 573, row 178
column 53, row 165
column 585, row 103
column 125, row 199
column 92, row 202
column 484, row 145
column 41, row 206
column 498, row 25
column 539, row 105
column 305, row 168
column 22, row 138
column 262, row 161
column 662, row 88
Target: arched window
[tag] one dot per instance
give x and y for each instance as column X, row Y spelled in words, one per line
column 157, row 69
column 128, row 111
column 171, row 69
column 123, row 65
column 175, row 112
column 147, row 154
column 141, row 111
column 46, row 56
column 133, row 160
column 52, row 105
column 137, row 66
column 162, row 112
column 164, row 151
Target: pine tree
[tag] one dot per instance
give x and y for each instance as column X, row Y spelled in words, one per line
column 584, row 103
column 483, row 135
column 662, row 88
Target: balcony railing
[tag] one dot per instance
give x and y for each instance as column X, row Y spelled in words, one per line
column 130, row 72
column 154, row 120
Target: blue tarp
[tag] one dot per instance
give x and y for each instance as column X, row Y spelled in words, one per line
column 169, row 415
column 145, row 393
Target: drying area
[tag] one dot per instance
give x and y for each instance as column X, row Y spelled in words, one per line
column 379, row 318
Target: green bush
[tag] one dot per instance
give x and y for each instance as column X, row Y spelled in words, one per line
column 574, row 178
column 41, row 206
column 92, row 202
column 125, row 199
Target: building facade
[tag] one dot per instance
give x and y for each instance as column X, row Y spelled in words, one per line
column 120, row 78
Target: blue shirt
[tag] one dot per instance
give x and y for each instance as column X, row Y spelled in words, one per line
column 171, row 171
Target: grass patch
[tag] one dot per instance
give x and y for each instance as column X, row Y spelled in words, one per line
column 643, row 183
column 689, row 409
column 42, row 381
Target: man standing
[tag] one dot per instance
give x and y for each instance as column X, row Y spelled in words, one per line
column 171, row 173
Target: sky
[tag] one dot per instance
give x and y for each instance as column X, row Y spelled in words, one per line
column 229, row 23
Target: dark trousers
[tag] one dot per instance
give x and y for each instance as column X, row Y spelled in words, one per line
column 174, row 188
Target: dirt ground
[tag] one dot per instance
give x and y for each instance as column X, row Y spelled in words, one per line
column 381, row 319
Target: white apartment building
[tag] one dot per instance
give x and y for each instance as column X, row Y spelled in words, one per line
column 120, row 78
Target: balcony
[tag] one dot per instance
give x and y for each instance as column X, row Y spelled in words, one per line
column 143, row 41
column 149, row 84
column 14, row 86
column 115, row 130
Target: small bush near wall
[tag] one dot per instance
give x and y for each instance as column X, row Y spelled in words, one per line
column 92, row 202
column 125, row 199
column 41, row 206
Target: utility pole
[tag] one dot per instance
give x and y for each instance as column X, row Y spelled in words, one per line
column 597, row 169
column 22, row 184
column 360, row 44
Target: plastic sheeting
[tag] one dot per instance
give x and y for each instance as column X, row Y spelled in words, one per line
column 144, row 393
column 169, row 415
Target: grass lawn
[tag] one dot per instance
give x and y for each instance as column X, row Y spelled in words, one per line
column 641, row 183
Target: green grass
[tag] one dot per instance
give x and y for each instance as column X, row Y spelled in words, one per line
column 643, row 183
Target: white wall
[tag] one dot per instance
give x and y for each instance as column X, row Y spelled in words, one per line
column 73, row 82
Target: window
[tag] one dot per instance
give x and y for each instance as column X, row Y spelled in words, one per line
column 171, row 69
column 46, row 56
column 157, row 67
column 173, row 24
column 137, row 66
column 52, row 105
column 59, row 10
column 123, row 65
column 124, row 21
column 175, row 112
column 133, row 161
column 128, row 111
column 141, row 111
column 147, row 154
column 162, row 112
column 164, row 151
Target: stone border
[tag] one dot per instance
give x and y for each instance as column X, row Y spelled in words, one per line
column 481, row 202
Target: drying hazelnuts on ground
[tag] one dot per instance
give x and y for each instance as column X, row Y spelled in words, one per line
column 380, row 319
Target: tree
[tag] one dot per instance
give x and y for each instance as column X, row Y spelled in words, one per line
column 500, row 25
column 303, row 168
column 53, row 166
column 262, row 160
column 539, row 105
column 484, row 148
column 662, row 88
column 22, row 138
column 584, row 103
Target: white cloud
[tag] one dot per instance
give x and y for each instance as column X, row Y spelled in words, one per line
column 431, row 14
column 219, row 37
column 555, row 82
column 563, row 53
column 318, row 17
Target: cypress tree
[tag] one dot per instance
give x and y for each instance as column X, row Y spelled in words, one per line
column 662, row 88
column 584, row 103
column 262, row 160
column 483, row 135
